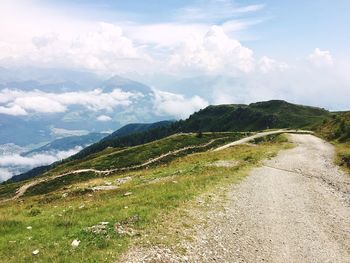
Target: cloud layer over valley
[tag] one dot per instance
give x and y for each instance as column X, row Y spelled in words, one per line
column 15, row 163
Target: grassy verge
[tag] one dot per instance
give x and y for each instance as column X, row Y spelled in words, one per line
column 343, row 155
column 66, row 213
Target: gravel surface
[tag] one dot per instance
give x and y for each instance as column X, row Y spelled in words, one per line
column 295, row 208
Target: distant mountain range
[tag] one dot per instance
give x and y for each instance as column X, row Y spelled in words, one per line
column 67, row 143
column 40, row 127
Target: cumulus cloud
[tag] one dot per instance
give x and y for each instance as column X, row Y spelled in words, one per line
column 267, row 64
column 215, row 52
column 102, row 47
column 321, row 58
column 104, row 118
column 19, row 102
column 177, row 105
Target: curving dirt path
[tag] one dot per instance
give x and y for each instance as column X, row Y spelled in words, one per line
column 259, row 135
column 295, row 208
column 22, row 190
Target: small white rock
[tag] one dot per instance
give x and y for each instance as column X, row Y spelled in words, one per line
column 29, row 227
column 75, row 243
column 65, row 195
column 35, row 252
column 104, row 223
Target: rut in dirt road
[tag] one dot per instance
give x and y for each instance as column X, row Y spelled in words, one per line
column 294, row 209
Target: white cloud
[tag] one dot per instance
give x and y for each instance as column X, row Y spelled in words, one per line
column 267, row 64
column 39, row 103
column 104, row 118
column 321, row 58
column 5, row 174
column 11, row 164
column 215, row 52
column 167, row 35
column 13, row 110
column 177, row 105
column 101, row 47
column 214, row 10
column 41, row 36
column 18, row 102
column 65, row 132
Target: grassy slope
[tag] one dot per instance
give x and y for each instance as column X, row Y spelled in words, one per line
column 337, row 130
column 56, row 220
column 256, row 116
column 116, row 158
column 142, row 153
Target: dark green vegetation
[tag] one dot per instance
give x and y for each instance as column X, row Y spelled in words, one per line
column 337, row 127
column 337, row 130
column 256, row 116
column 136, row 128
column 60, row 215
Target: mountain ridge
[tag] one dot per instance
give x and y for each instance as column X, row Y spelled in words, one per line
column 273, row 114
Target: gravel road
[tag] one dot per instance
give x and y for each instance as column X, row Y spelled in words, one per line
column 295, row 208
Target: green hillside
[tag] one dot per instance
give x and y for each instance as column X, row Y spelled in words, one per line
column 136, row 128
column 255, row 116
column 337, row 130
column 235, row 117
column 337, row 127
column 127, row 132
column 132, row 181
column 133, row 156
column 52, row 215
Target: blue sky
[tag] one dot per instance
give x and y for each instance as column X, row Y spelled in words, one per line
column 286, row 28
column 293, row 50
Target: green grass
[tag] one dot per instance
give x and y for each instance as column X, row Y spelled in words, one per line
column 343, row 155
column 337, row 130
column 57, row 220
column 118, row 158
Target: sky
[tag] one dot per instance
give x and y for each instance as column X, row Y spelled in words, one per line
column 203, row 51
